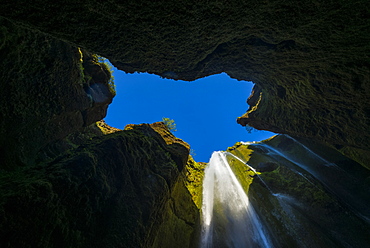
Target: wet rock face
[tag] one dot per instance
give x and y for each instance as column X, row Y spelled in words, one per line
column 310, row 61
column 307, row 194
column 266, row 166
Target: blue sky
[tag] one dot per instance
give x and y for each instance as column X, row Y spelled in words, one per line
column 204, row 111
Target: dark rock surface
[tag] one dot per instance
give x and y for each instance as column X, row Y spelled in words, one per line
column 112, row 191
column 309, row 60
column 67, row 181
column 43, row 96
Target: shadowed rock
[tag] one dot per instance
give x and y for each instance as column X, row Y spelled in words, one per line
column 309, row 60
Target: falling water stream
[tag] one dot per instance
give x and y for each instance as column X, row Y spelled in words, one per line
column 228, row 218
column 252, row 169
column 336, row 180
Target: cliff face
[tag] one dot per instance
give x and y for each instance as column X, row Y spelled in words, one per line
column 48, row 90
column 65, row 184
column 67, row 181
column 113, row 191
column 310, row 61
column 306, row 194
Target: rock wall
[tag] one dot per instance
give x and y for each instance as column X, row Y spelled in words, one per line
column 310, row 61
column 45, row 93
column 305, row 193
column 70, row 181
column 112, row 191
column 180, row 226
column 65, row 184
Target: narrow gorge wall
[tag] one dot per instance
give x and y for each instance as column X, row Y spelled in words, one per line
column 115, row 190
column 48, row 90
column 310, row 61
column 66, row 184
column 67, row 181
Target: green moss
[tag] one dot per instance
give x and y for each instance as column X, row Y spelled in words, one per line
column 284, row 180
column 181, row 219
column 291, row 202
column 194, row 180
column 242, row 172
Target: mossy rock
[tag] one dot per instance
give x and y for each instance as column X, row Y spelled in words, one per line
column 43, row 93
column 309, row 61
column 311, row 195
column 111, row 191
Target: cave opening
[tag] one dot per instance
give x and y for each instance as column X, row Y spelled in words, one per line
column 204, row 110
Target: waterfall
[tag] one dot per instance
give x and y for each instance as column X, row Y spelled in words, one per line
column 310, row 153
column 228, row 218
column 252, row 169
column 350, row 190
